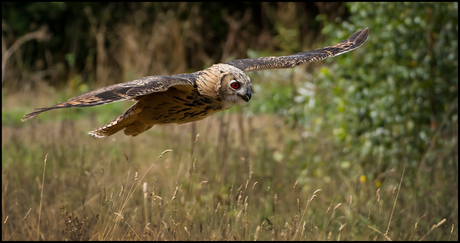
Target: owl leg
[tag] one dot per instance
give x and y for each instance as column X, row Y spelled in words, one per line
column 136, row 128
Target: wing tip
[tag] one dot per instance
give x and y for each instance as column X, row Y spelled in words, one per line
column 27, row 117
column 365, row 32
column 35, row 113
column 360, row 36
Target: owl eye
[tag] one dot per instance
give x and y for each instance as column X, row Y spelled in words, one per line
column 235, row 85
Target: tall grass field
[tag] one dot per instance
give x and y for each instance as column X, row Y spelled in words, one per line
column 232, row 176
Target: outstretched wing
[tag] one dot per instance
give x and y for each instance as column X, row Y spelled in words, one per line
column 119, row 92
column 255, row 64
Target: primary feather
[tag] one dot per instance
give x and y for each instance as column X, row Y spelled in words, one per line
column 190, row 97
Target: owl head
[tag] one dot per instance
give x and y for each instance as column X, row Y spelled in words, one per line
column 235, row 86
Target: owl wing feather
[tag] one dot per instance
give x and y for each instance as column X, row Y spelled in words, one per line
column 255, row 64
column 132, row 90
column 137, row 89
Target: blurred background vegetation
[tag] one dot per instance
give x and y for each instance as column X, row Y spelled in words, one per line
column 349, row 125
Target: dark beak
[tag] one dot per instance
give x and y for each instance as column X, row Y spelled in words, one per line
column 247, row 96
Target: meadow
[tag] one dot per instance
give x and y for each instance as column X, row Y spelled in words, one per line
column 232, row 176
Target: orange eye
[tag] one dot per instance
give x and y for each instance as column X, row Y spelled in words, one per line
column 235, row 85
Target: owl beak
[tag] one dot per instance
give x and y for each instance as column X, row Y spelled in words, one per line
column 246, row 97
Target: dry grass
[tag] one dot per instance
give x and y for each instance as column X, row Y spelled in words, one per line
column 233, row 180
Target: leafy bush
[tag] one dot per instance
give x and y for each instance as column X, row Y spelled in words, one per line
column 389, row 98
column 393, row 102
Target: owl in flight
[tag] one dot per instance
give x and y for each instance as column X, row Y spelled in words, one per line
column 189, row 97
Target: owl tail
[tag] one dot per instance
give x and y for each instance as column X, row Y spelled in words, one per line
column 128, row 121
column 106, row 130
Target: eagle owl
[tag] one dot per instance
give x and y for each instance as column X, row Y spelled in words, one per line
column 191, row 97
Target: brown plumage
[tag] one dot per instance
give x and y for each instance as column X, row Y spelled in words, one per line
column 190, row 97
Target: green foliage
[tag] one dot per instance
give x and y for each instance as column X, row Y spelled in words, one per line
column 391, row 95
column 393, row 102
column 272, row 97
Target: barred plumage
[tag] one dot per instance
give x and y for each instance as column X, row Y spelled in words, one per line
column 190, row 97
